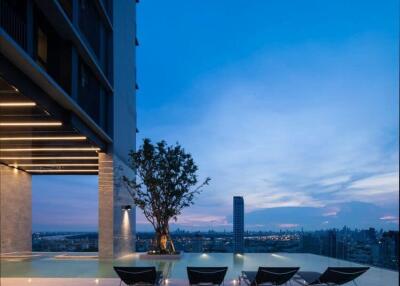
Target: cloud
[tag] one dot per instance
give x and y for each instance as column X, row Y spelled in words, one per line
column 201, row 220
column 332, row 213
column 390, row 219
column 384, row 183
column 335, row 180
column 378, row 188
column 281, row 198
column 288, row 225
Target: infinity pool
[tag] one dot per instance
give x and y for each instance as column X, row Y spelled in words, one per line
column 46, row 265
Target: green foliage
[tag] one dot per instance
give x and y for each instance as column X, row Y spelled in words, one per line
column 165, row 183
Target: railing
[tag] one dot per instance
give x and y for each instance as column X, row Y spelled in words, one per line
column 13, row 23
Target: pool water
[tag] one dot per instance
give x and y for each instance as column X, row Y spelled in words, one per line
column 45, row 265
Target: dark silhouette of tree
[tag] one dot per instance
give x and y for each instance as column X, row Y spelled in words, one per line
column 166, row 183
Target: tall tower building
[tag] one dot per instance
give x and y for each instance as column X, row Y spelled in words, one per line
column 238, row 225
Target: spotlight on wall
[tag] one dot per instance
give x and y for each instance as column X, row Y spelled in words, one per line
column 126, row 208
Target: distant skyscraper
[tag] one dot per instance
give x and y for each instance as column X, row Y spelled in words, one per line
column 329, row 244
column 238, row 224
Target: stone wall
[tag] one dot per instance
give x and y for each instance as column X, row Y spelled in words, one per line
column 15, row 210
column 116, row 226
column 106, row 204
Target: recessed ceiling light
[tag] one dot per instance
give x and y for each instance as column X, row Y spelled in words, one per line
column 49, row 158
column 48, row 138
column 17, row 104
column 33, row 123
column 54, row 165
column 64, row 171
column 44, row 149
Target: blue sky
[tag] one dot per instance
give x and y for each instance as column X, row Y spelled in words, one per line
column 292, row 104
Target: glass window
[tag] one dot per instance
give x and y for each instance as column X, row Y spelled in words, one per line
column 42, row 48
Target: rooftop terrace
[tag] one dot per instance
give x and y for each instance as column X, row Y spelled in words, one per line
column 51, row 269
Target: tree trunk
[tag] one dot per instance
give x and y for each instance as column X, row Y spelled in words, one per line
column 171, row 243
column 161, row 241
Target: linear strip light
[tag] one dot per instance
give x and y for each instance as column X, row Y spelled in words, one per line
column 48, row 149
column 53, row 165
column 49, row 158
column 17, row 104
column 64, row 171
column 49, row 138
column 33, row 123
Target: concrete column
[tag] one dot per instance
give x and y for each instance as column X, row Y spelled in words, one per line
column 15, row 210
column 106, row 203
column 116, row 226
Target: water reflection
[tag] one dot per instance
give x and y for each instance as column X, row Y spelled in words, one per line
column 238, row 261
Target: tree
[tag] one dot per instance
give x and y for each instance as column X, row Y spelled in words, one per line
column 166, row 179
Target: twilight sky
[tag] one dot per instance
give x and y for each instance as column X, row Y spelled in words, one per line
column 292, row 104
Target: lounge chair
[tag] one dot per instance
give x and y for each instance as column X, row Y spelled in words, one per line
column 331, row 276
column 139, row 275
column 268, row 275
column 206, row 275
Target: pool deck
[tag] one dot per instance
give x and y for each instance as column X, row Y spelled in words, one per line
column 45, row 269
column 86, row 282
column 78, row 282
column 58, row 281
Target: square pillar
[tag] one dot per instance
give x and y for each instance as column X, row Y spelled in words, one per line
column 15, row 210
column 116, row 226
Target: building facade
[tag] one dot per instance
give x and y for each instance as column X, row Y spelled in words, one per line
column 67, row 106
column 238, row 225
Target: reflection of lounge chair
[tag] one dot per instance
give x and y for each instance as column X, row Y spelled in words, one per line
column 331, row 276
column 271, row 275
column 139, row 275
column 206, row 275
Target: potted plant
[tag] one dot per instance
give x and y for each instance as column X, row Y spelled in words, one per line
column 166, row 183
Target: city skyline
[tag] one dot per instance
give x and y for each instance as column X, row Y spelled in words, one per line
column 308, row 114
column 366, row 246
